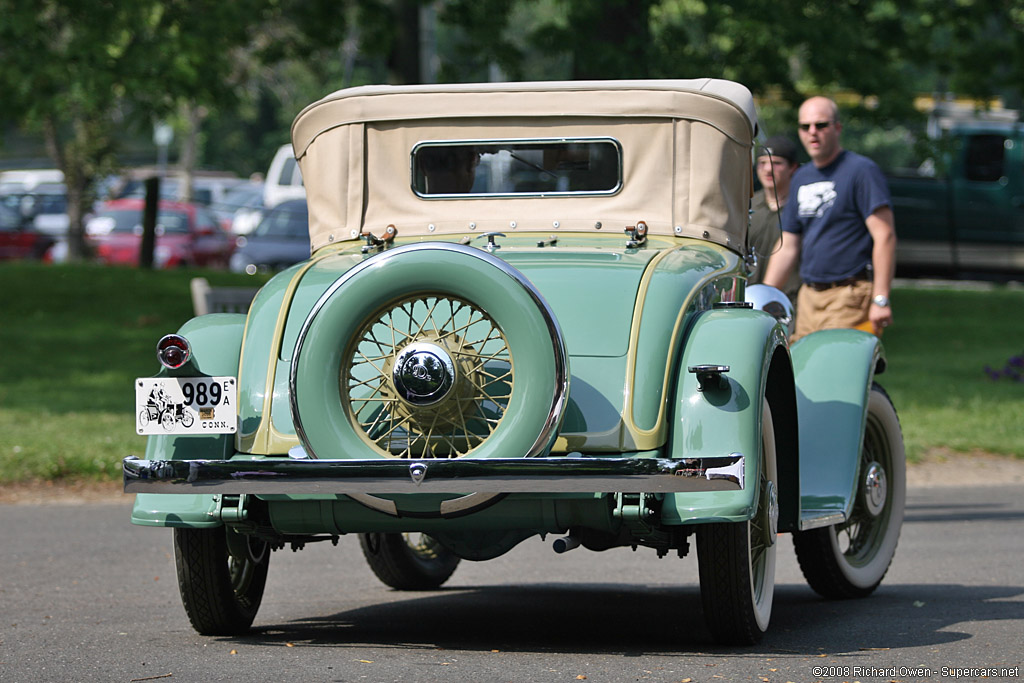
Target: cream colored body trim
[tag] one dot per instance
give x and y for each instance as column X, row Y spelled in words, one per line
column 267, row 440
column 634, row 437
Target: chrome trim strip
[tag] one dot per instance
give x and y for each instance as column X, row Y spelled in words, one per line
column 515, row 195
column 388, row 507
column 817, row 519
column 473, row 500
column 520, row 475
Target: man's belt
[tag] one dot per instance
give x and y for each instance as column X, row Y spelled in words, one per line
column 862, row 276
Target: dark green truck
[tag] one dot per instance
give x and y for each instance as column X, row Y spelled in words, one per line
column 970, row 218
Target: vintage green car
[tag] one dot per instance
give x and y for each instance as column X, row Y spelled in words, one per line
column 525, row 313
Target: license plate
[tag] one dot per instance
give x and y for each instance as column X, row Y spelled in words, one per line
column 185, row 405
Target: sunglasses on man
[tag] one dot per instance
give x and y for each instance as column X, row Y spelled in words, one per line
column 820, row 125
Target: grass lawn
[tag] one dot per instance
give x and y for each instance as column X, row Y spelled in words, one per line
column 938, row 351
column 74, row 337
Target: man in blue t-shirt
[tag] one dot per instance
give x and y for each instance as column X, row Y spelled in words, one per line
column 839, row 225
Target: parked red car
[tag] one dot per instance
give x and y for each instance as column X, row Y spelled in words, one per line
column 19, row 240
column 186, row 235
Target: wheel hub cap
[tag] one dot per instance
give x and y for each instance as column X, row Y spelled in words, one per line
column 423, row 373
column 875, row 489
column 773, row 512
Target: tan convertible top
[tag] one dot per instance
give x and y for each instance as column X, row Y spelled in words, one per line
column 686, row 157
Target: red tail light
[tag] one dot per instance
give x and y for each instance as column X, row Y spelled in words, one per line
column 173, row 351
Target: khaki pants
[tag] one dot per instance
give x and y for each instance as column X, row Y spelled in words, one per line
column 839, row 307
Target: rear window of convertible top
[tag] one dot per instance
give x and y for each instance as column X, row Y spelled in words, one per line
column 504, row 168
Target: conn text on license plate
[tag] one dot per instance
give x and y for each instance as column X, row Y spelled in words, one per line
column 185, row 405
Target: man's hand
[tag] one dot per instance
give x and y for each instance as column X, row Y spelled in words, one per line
column 880, row 317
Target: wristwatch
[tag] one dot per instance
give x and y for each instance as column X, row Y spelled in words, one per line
column 880, row 300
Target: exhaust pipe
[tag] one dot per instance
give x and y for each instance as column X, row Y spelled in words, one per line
column 565, row 544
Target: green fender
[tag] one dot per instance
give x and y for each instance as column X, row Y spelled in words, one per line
column 834, row 370
column 718, row 422
column 216, row 341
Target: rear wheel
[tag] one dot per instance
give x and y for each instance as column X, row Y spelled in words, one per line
column 849, row 560
column 409, row 562
column 221, row 577
column 737, row 560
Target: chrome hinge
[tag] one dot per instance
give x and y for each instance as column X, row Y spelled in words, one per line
column 374, row 243
column 637, row 235
column 491, row 245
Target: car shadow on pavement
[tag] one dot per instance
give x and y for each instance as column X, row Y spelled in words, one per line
column 631, row 620
column 548, row 617
column 952, row 512
column 895, row 617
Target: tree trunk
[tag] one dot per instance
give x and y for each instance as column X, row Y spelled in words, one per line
column 65, row 155
column 405, row 58
column 193, row 117
column 612, row 39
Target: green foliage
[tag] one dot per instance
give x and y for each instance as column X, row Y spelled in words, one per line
column 86, row 74
column 80, row 71
column 609, row 39
column 476, row 38
column 735, row 40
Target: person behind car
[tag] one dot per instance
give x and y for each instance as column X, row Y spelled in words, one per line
column 841, row 229
column 448, row 169
column 775, row 165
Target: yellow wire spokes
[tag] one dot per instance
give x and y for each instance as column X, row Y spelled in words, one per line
column 460, row 421
column 372, row 363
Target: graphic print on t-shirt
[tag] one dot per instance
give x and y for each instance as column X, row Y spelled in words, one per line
column 814, row 199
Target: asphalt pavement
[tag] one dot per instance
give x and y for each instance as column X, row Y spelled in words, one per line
column 86, row 596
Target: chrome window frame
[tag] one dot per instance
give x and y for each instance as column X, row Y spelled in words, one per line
column 516, row 195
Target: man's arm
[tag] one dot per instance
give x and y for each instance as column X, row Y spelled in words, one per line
column 881, row 225
column 783, row 260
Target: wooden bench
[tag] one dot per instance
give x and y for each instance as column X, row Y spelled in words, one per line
column 207, row 299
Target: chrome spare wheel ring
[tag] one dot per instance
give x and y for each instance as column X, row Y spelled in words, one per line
column 428, row 351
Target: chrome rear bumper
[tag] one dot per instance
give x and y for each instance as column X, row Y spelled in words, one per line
column 271, row 476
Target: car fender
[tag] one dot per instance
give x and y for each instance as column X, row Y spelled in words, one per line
column 834, row 371
column 721, row 421
column 216, row 341
column 275, row 317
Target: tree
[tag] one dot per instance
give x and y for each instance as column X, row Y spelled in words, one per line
column 476, row 41
column 883, row 49
column 81, row 71
column 608, row 39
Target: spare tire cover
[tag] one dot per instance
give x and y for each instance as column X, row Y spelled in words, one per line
column 425, row 351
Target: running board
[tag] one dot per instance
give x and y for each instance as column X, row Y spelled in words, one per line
column 816, row 519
